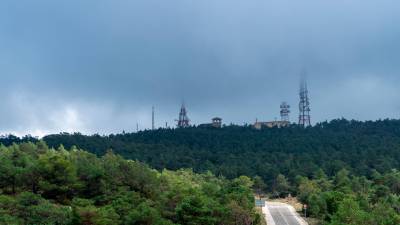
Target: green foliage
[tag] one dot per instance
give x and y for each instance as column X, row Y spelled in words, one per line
column 318, row 206
column 232, row 151
column 196, row 209
column 259, row 185
column 306, row 188
column 344, row 170
column 349, row 212
column 45, row 186
column 29, row 208
column 58, row 175
column 281, row 186
column 352, row 200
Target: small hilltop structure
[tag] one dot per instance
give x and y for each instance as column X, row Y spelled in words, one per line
column 216, row 122
column 284, row 122
column 271, row 124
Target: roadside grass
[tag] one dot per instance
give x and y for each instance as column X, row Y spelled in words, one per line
column 259, row 211
column 313, row 221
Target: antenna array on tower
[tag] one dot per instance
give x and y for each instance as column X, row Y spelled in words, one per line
column 304, row 105
column 183, row 120
column 152, row 118
column 285, row 110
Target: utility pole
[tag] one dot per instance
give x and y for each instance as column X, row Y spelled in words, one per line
column 305, row 210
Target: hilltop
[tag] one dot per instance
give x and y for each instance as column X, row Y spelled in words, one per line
column 232, row 151
column 345, row 171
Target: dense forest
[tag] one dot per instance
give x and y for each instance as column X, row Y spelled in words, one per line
column 40, row 185
column 346, row 199
column 347, row 172
column 360, row 147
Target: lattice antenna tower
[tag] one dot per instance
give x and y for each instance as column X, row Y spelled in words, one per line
column 285, row 111
column 304, row 105
column 183, row 120
column 152, row 118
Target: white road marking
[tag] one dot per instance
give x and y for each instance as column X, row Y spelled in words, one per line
column 283, row 217
column 268, row 216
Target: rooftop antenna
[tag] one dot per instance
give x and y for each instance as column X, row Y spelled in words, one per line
column 304, row 105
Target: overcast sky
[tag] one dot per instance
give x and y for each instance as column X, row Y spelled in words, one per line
column 98, row 66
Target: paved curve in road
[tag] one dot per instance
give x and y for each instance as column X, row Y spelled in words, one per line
column 281, row 214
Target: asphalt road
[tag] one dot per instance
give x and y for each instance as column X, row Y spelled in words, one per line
column 281, row 214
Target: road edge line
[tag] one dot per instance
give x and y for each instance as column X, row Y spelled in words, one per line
column 299, row 218
column 268, row 217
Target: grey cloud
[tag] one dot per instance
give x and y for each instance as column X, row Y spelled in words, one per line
column 108, row 62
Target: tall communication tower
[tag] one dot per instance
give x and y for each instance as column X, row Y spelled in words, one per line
column 285, row 110
column 152, row 118
column 304, row 105
column 183, row 120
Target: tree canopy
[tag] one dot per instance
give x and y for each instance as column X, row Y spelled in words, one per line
column 41, row 185
column 232, row 151
column 346, row 171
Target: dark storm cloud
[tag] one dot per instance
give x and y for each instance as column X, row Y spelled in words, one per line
column 99, row 66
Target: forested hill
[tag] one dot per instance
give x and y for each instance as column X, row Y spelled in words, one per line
column 360, row 147
column 345, row 171
column 39, row 185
